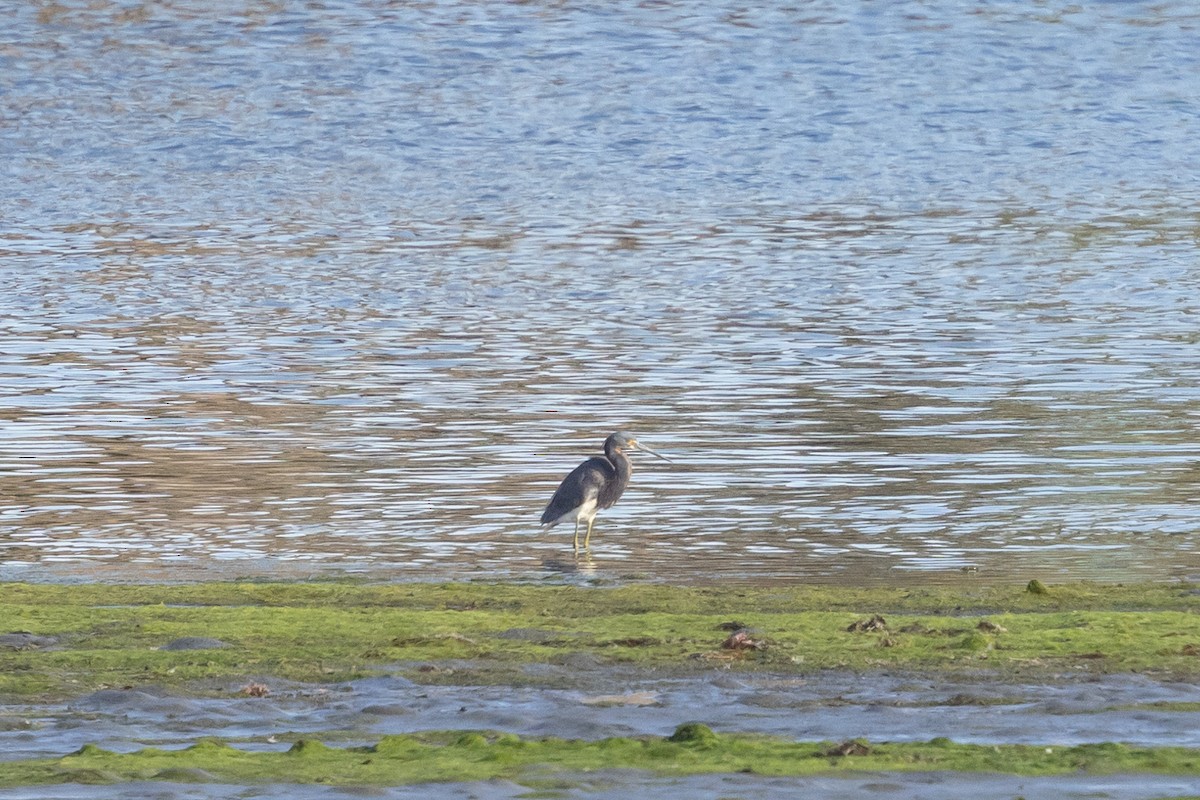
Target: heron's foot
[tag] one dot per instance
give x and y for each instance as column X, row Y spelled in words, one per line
column 584, row 564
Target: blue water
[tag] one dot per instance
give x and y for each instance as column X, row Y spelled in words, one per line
column 201, row 113
column 908, row 291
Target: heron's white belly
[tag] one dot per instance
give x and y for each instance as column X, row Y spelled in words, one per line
column 583, row 513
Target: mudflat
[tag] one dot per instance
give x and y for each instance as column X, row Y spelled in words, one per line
column 249, row 683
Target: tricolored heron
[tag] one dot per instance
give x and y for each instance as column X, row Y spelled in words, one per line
column 595, row 484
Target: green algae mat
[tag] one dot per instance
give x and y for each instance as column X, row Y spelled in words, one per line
column 61, row 641
column 83, row 638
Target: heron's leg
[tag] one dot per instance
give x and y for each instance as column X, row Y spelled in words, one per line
column 587, row 540
column 576, row 534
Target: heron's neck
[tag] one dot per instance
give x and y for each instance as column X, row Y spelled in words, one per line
column 619, row 460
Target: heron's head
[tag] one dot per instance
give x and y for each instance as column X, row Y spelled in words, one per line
column 625, row 441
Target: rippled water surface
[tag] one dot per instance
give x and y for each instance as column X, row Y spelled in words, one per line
column 907, row 291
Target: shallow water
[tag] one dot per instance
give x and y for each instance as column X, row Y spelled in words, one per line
column 830, row 706
column 824, row 707
column 617, row 785
column 906, row 292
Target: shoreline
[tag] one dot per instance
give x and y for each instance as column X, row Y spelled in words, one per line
column 604, row 673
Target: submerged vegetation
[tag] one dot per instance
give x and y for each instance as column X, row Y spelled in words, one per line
column 64, row 640
column 475, row 755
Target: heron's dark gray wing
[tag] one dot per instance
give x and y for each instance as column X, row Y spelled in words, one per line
column 584, row 483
